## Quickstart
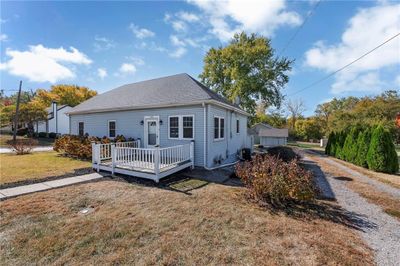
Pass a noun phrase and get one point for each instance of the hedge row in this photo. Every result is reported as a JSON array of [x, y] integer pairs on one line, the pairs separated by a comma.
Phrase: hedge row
[[81, 146], [371, 148]]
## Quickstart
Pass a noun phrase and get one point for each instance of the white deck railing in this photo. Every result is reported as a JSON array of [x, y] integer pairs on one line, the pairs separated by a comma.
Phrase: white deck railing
[[152, 160], [102, 151]]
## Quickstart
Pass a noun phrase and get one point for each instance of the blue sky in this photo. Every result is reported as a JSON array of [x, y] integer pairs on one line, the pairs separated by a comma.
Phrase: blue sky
[[106, 44]]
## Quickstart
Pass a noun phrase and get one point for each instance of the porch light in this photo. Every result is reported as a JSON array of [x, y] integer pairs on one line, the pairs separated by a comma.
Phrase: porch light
[[141, 123], [161, 122]]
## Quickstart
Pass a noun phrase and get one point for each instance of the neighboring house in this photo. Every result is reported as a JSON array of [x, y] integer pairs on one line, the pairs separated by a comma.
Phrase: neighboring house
[[166, 112], [268, 136], [57, 120]]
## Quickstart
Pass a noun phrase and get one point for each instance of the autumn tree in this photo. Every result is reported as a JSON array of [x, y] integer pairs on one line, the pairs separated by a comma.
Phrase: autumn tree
[[295, 108], [71, 95], [247, 68]]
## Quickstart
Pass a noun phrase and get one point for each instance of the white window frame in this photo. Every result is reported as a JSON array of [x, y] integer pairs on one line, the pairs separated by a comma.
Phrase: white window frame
[[237, 126], [180, 127], [83, 128], [108, 126], [219, 128]]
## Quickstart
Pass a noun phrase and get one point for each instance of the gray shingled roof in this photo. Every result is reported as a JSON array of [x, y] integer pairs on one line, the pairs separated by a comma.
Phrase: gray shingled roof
[[180, 89]]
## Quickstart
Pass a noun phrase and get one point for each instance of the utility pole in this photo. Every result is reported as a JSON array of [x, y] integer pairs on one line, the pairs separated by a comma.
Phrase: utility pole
[[17, 112]]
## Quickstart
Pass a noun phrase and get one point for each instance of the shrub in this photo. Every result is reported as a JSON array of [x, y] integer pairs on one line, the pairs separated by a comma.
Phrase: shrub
[[52, 135], [42, 134], [330, 144], [382, 156], [23, 146], [284, 153], [75, 146], [349, 151], [363, 141], [119, 138], [271, 180], [22, 131], [339, 143]]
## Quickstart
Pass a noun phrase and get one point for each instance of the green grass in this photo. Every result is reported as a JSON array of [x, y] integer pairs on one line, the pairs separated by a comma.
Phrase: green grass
[[305, 145], [37, 165], [5, 140]]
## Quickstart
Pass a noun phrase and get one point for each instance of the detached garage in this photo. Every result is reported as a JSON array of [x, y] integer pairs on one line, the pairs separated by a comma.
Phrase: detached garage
[[268, 136]]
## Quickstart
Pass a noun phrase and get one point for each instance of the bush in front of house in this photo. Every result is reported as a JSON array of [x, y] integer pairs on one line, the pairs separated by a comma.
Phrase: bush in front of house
[[286, 154], [42, 134], [382, 156], [23, 146], [271, 180], [52, 135], [75, 146]]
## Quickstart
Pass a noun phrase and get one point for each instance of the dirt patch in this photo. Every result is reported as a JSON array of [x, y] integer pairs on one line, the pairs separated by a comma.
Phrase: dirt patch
[[136, 224]]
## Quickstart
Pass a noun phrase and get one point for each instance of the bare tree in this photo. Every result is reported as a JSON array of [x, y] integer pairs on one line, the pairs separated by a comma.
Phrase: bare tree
[[295, 109]]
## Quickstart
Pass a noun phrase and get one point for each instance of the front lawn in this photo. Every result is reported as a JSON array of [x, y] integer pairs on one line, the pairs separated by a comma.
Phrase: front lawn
[[5, 140], [38, 165], [139, 225], [305, 145]]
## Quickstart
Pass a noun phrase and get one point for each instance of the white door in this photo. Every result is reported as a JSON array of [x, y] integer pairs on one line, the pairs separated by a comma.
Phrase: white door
[[151, 132]]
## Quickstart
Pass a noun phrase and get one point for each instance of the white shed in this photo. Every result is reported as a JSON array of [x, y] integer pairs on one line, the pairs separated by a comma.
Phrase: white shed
[[269, 136]]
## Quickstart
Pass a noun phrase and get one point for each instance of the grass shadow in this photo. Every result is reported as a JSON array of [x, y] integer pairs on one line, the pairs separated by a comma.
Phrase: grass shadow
[[325, 211]]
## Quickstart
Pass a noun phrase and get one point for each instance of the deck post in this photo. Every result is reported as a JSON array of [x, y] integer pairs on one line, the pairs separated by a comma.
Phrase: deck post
[[157, 163], [97, 155], [138, 140], [191, 153], [113, 158], [93, 153]]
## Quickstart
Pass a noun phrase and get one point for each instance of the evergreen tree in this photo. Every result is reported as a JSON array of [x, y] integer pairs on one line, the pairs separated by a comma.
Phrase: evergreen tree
[[329, 144], [382, 156], [350, 145], [363, 142]]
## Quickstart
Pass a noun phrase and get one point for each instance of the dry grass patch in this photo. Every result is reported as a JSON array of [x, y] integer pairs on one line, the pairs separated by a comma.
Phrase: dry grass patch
[[139, 225], [6, 140], [38, 165], [389, 204]]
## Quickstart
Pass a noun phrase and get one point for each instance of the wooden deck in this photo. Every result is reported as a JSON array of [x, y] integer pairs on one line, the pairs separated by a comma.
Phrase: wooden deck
[[150, 163]]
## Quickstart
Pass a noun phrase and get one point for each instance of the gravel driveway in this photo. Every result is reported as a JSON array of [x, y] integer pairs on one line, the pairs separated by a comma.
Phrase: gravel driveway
[[380, 231]]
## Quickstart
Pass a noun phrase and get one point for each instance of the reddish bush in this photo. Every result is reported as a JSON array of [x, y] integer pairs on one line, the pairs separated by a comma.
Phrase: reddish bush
[[23, 146], [75, 146], [271, 180]]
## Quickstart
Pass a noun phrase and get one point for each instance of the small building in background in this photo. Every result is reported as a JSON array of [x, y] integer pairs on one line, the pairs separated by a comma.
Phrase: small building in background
[[269, 136], [57, 120]]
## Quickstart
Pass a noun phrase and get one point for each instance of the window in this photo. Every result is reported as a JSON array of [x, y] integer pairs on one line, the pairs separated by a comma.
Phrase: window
[[111, 129], [187, 127], [219, 128], [81, 130], [174, 127], [237, 126], [181, 127]]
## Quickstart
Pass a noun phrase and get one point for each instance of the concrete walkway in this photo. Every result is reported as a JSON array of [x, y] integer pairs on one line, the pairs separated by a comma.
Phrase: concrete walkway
[[40, 148], [20, 190]]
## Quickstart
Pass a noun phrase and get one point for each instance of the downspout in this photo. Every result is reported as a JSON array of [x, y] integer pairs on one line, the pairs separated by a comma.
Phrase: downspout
[[205, 134]]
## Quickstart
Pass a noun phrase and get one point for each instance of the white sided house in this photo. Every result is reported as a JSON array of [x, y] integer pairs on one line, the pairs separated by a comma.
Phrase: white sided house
[[57, 120], [176, 121], [269, 136]]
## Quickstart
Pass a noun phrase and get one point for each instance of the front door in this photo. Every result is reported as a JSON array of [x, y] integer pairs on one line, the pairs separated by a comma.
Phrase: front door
[[151, 132]]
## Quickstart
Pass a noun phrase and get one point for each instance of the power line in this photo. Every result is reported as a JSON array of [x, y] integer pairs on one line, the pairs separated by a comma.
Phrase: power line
[[345, 66], [299, 28]]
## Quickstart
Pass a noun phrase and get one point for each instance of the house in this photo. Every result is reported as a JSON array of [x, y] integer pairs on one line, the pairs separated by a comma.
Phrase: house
[[57, 120], [164, 113], [269, 136]]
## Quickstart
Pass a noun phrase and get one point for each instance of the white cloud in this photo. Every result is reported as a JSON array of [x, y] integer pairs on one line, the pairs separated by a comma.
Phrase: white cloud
[[141, 33], [179, 25], [188, 17], [253, 15], [41, 64], [179, 52], [3, 37], [102, 73], [103, 44], [397, 81], [366, 29], [127, 68], [176, 41]]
